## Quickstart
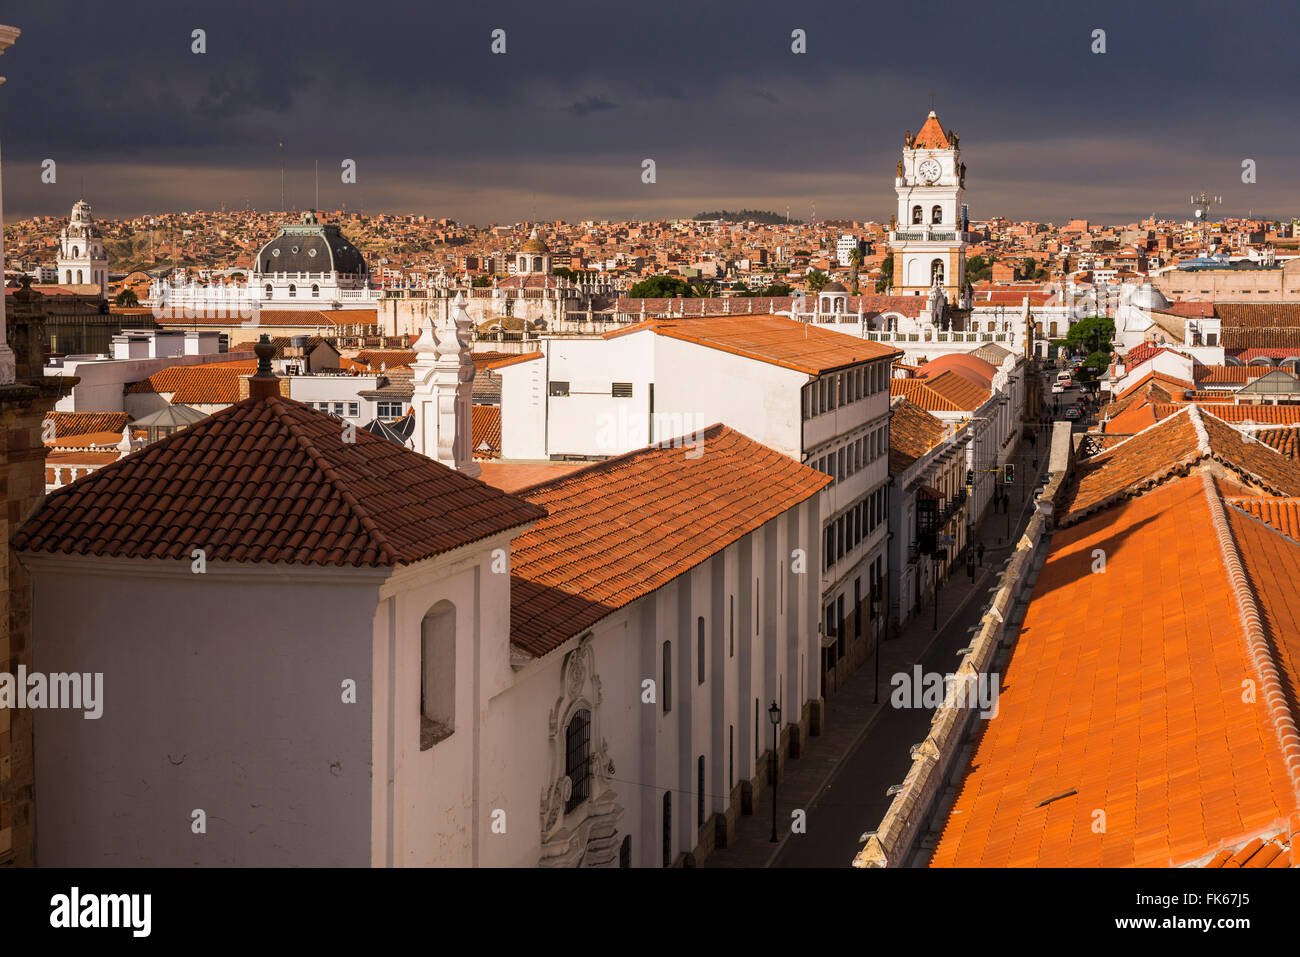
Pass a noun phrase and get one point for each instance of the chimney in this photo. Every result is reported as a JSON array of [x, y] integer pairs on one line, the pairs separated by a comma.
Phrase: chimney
[[265, 384]]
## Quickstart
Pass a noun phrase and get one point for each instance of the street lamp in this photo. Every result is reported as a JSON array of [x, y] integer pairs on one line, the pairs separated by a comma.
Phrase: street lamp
[[774, 713]]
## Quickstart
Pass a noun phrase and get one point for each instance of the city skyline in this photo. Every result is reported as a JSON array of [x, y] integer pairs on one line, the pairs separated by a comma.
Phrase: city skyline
[[441, 126]]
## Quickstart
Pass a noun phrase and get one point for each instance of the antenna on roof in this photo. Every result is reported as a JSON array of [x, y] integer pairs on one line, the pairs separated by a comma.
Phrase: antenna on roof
[[317, 206], [283, 208]]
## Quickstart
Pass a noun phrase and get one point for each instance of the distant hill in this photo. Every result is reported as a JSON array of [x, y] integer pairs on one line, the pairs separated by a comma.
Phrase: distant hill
[[764, 216]]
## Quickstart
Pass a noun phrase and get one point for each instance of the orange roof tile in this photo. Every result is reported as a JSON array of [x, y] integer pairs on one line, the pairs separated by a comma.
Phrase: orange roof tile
[[961, 392], [1259, 414], [1124, 696], [210, 383], [1170, 448], [270, 480], [511, 360], [912, 433], [617, 530], [485, 430], [513, 476], [778, 340], [919, 393], [931, 136], [81, 423]]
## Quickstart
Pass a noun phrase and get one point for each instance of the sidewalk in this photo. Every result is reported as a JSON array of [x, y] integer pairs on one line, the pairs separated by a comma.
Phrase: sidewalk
[[851, 710]]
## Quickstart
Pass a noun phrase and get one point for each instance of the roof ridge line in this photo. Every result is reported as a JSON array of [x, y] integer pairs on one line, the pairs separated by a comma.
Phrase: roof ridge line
[[1202, 436], [336, 482], [1257, 642], [665, 443]]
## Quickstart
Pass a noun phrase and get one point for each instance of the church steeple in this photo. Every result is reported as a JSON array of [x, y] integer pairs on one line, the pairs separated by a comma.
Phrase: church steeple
[[929, 241]]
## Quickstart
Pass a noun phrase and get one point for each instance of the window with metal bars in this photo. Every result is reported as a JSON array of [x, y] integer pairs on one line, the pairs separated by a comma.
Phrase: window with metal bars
[[577, 758]]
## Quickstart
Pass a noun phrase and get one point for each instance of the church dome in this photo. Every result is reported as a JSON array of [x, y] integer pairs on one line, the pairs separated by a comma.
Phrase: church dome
[[534, 245], [834, 287], [309, 246]]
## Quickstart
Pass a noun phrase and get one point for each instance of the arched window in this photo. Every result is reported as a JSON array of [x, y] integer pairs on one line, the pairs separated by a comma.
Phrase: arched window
[[577, 758], [75, 252], [916, 215], [537, 264], [699, 791], [936, 214], [268, 290], [936, 272], [78, 277], [668, 677], [293, 290], [315, 290], [437, 674]]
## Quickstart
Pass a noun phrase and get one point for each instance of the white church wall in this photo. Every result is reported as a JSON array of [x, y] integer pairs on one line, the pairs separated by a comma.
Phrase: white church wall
[[523, 409], [222, 692]]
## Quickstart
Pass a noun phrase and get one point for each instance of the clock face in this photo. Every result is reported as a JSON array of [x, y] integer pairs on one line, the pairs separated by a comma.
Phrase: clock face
[[929, 171]]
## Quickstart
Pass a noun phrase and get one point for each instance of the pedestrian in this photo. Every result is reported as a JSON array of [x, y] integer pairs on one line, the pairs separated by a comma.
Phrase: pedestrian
[[979, 554]]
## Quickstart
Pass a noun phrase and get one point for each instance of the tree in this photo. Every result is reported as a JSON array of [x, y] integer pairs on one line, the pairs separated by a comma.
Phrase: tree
[[886, 279], [661, 287], [480, 282], [978, 268], [1091, 335], [855, 263], [1029, 269], [126, 297], [817, 279]]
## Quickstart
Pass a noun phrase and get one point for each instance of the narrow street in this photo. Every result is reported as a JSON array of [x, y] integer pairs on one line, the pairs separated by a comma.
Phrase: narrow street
[[842, 779]]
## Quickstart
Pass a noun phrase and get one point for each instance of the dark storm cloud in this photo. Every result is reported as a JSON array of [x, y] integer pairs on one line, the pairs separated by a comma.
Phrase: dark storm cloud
[[592, 104], [559, 125]]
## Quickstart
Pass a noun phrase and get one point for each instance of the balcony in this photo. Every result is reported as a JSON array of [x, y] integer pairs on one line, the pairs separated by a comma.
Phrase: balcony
[[929, 234]]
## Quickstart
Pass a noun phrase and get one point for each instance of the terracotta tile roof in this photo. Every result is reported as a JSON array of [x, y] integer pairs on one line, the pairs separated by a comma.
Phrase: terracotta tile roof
[[1171, 384], [1188, 309], [1227, 396], [1131, 420], [513, 476], [1286, 441], [511, 360], [931, 135], [619, 529], [1238, 338], [1259, 414], [1246, 355], [1259, 315], [1280, 514], [961, 392], [912, 433], [388, 358], [1141, 353], [1169, 449], [967, 366], [1226, 375], [89, 440], [919, 393], [777, 340], [485, 428], [270, 480], [1123, 695], [81, 423], [1283, 850], [211, 383]]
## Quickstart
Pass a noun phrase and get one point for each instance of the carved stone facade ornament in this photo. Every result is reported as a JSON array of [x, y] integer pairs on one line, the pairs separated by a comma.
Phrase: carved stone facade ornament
[[586, 836]]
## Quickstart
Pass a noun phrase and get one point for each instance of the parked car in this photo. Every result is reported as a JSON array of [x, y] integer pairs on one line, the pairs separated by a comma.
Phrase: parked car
[[1072, 412]]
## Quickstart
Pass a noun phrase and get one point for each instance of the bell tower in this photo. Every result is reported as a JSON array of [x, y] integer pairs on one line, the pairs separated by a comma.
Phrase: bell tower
[[929, 243]]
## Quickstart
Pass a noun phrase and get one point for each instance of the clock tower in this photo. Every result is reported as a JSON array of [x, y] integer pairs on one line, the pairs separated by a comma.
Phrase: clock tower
[[929, 241]]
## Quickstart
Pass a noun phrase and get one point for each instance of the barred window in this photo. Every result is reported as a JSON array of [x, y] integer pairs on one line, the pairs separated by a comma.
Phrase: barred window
[[577, 758], [621, 390]]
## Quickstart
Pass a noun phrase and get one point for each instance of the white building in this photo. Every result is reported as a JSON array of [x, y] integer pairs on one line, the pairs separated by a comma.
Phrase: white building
[[389, 663], [929, 243], [814, 395], [307, 265], [82, 261]]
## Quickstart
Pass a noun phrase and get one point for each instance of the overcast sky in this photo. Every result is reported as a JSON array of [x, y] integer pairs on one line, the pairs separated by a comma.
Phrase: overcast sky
[[559, 125]]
